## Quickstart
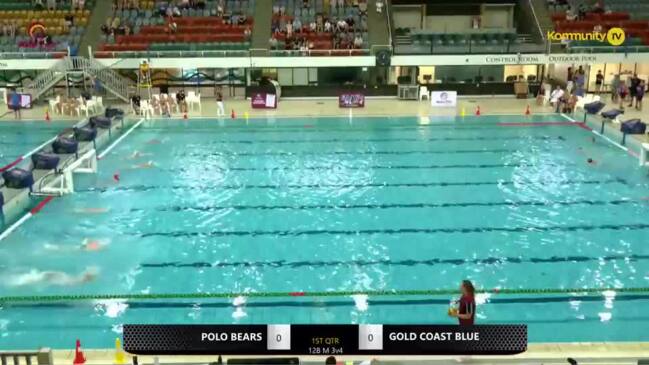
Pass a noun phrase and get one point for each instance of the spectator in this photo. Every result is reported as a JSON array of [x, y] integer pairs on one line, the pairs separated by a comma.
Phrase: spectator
[[14, 103], [114, 25], [327, 26], [362, 8], [623, 91], [289, 30], [180, 100], [633, 88], [297, 24], [639, 94], [598, 7], [247, 32], [570, 14], [358, 41], [599, 81], [330, 361], [172, 27], [581, 11], [615, 84], [379, 6], [556, 96]]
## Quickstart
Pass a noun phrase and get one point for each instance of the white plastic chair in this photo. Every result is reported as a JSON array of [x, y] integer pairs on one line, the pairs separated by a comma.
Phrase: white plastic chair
[[146, 109], [54, 103], [171, 102], [423, 92], [99, 103], [193, 99], [83, 107]]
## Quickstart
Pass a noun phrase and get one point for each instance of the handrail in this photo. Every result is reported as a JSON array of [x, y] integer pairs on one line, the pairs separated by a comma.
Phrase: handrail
[[536, 19], [388, 10]]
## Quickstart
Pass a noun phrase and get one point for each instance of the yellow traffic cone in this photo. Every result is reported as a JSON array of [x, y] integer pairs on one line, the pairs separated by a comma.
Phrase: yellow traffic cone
[[119, 354]]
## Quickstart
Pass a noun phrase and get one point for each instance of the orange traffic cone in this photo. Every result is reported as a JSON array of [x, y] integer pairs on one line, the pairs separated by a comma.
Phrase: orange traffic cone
[[477, 111], [79, 358], [527, 110], [232, 115], [47, 115]]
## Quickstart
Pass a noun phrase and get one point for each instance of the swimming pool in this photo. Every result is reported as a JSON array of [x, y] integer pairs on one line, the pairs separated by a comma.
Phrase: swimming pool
[[327, 204], [20, 137]]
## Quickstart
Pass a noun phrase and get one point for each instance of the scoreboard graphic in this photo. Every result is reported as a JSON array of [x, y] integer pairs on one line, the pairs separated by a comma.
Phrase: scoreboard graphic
[[302, 339]]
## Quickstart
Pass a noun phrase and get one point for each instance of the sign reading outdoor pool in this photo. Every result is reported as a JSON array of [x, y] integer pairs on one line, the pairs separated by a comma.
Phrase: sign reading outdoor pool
[[351, 100]]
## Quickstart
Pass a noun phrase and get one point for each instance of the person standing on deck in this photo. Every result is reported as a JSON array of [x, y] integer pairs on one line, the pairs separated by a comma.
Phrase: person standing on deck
[[465, 312], [220, 108]]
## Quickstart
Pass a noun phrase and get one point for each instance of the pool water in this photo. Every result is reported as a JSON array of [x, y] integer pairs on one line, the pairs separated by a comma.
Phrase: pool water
[[20, 137], [328, 204]]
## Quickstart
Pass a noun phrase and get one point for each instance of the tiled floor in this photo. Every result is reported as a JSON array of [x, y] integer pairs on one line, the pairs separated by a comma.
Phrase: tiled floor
[[549, 353]]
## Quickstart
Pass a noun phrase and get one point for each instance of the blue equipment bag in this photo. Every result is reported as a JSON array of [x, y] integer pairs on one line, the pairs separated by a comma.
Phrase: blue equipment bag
[[63, 145], [18, 178], [85, 134], [594, 107], [612, 114], [633, 126], [100, 122], [114, 112], [45, 161]]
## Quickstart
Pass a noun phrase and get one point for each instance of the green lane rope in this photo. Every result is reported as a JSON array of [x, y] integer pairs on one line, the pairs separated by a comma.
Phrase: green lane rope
[[432, 292]]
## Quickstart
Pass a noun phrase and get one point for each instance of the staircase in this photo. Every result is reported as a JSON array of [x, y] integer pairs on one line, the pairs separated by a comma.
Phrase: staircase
[[110, 79], [47, 79], [402, 40]]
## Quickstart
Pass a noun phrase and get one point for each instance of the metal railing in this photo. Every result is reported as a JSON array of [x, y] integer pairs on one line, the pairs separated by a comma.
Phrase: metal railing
[[31, 55], [320, 52], [606, 49], [46, 79], [167, 54], [110, 79], [536, 20], [40, 357]]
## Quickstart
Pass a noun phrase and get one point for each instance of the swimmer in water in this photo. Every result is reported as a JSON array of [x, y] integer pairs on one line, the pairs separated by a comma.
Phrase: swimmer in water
[[91, 210], [146, 165], [591, 161], [54, 278], [137, 154], [89, 245], [154, 141]]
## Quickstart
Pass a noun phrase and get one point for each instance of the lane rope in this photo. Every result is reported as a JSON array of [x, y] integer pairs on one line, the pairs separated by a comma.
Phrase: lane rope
[[343, 293]]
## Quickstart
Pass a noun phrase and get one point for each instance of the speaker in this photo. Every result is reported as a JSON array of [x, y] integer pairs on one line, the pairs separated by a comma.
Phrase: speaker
[[383, 58]]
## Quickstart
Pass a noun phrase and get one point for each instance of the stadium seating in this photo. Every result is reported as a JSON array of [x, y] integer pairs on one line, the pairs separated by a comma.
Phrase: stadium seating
[[313, 35], [17, 17], [630, 15], [195, 30]]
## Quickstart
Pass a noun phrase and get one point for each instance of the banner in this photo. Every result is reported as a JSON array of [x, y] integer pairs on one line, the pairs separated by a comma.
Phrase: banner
[[443, 98], [263, 101], [351, 100]]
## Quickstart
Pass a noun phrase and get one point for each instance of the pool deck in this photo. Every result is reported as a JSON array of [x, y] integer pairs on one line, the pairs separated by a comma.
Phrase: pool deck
[[586, 352], [373, 107]]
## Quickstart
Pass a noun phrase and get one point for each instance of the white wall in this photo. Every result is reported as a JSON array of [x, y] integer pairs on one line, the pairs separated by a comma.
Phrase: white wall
[[407, 17], [449, 24], [498, 16]]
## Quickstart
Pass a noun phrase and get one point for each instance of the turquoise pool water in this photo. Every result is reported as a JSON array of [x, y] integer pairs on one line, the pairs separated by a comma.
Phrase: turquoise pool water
[[20, 137], [337, 204]]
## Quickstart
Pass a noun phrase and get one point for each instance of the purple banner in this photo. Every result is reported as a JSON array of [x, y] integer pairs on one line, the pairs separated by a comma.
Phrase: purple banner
[[351, 100], [263, 101]]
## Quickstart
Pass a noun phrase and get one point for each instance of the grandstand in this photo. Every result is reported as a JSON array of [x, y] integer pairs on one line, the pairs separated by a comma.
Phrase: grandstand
[[311, 27], [34, 31], [161, 29]]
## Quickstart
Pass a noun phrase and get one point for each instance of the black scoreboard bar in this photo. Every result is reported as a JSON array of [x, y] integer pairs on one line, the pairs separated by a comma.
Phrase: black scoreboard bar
[[326, 340]]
